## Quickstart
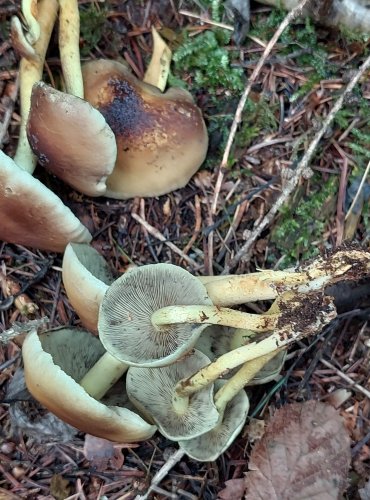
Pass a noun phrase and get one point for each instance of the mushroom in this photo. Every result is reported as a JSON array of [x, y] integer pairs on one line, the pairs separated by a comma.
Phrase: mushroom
[[71, 139], [125, 319], [151, 390], [31, 64], [32, 215], [86, 277], [232, 404], [210, 445], [54, 362], [161, 138]]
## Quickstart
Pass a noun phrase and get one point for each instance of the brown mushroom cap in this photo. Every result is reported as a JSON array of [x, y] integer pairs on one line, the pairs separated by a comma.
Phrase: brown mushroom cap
[[71, 139], [32, 215], [54, 362], [161, 138]]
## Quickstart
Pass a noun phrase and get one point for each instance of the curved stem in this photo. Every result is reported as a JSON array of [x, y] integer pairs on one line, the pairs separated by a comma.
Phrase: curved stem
[[29, 11], [289, 333], [159, 66], [213, 315], [30, 72], [236, 383], [69, 46], [103, 375]]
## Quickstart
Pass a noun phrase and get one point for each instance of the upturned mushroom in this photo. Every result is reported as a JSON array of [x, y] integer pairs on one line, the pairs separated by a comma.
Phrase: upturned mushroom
[[151, 390], [32, 215], [232, 404], [54, 363], [125, 319]]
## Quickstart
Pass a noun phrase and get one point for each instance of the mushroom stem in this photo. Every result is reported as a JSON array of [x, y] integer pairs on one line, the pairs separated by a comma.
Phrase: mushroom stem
[[69, 46], [213, 315], [266, 285], [103, 375], [302, 317], [236, 383], [29, 11], [30, 71], [159, 66]]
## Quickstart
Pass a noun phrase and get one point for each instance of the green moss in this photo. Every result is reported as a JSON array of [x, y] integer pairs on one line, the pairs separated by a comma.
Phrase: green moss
[[302, 224], [92, 22], [206, 59]]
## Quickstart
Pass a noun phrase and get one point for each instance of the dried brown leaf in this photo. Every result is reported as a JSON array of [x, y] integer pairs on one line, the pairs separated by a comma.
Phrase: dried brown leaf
[[304, 454], [103, 453], [234, 490]]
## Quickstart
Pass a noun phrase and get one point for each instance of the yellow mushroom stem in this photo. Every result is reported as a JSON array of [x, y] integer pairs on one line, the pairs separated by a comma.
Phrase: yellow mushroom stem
[[213, 315], [30, 72], [242, 377], [288, 332], [30, 14], [69, 46], [159, 66], [103, 375]]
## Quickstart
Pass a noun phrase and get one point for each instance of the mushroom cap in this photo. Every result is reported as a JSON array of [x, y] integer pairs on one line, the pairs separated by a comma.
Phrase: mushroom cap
[[71, 139], [31, 214], [211, 445], [151, 390], [161, 137], [86, 277], [125, 326], [54, 362]]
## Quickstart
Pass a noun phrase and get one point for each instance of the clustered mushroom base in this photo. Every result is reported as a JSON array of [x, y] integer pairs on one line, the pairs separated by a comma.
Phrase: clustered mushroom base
[[175, 363]]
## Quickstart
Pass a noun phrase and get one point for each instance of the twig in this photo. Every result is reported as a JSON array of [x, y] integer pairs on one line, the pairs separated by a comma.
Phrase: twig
[[21, 328], [162, 473], [302, 167], [157, 234], [366, 173], [346, 378], [9, 103], [205, 19], [296, 12]]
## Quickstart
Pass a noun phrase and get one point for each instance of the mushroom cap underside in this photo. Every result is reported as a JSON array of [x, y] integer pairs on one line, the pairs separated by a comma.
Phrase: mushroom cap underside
[[53, 362]]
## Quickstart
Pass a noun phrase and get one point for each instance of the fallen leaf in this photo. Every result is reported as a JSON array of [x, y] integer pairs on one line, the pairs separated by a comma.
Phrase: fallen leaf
[[304, 454], [234, 490], [103, 453]]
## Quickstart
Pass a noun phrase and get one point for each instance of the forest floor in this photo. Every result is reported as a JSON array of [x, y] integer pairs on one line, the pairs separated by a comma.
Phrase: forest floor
[[308, 69]]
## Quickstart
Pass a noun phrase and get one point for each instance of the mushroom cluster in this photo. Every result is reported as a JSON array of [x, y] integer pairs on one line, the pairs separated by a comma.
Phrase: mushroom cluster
[[182, 358], [107, 133]]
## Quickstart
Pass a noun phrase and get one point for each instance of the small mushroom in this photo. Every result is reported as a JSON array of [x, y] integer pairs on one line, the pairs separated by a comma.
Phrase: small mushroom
[[151, 390], [32, 215], [125, 319], [161, 138], [86, 277], [210, 445], [232, 404], [54, 363], [71, 139]]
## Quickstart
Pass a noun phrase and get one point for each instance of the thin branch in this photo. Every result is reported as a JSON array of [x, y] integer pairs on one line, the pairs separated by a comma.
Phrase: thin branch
[[296, 12], [302, 168]]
